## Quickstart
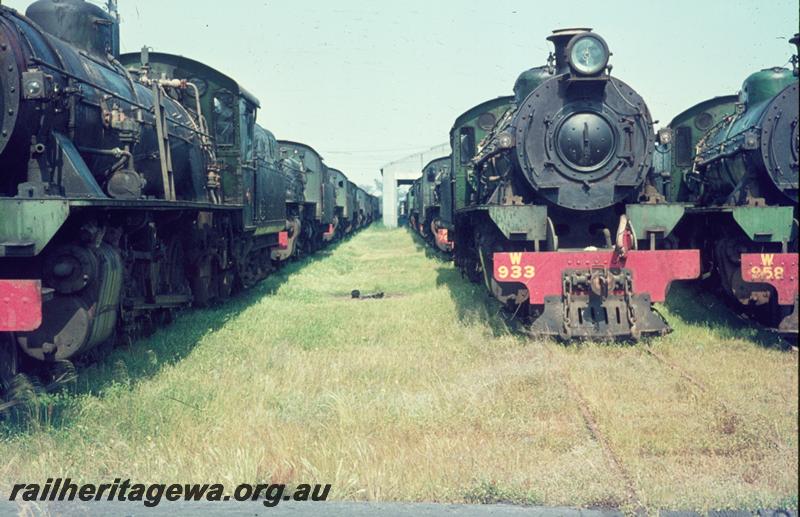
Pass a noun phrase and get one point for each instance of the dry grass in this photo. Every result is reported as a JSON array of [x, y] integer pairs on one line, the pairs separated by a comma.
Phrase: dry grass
[[422, 396]]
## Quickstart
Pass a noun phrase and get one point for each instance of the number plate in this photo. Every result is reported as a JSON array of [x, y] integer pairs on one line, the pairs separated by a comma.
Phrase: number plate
[[651, 271], [776, 269]]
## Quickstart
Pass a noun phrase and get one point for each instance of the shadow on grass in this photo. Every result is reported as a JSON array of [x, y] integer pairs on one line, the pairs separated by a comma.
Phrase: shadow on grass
[[698, 303], [473, 303], [431, 251], [144, 358]]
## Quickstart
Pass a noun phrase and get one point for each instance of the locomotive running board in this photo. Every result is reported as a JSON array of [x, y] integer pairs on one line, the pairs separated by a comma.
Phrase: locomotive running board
[[597, 293]]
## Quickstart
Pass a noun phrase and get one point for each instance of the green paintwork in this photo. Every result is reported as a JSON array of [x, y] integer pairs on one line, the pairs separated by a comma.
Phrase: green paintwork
[[269, 210], [765, 223], [351, 210], [654, 218], [432, 174], [411, 199], [266, 228], [520, 222], [528, 81], [31, 220], [362, 199], [339, 182], [234, 155], [318, 190], [459, 197], [765, 84], [673, 164], [724, 155]]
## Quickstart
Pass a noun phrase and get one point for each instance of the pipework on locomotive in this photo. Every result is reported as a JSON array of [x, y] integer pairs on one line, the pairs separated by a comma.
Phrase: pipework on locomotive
[[135, 185], [552, 203]]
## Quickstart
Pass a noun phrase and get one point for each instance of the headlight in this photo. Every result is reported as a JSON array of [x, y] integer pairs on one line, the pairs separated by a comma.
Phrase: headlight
[[587, 54], [35, 85], [664, 136], [505, 140], [33, 88]]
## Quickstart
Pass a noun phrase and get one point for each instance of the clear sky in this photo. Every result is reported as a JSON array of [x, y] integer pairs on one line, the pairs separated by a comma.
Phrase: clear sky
[[367, 82]]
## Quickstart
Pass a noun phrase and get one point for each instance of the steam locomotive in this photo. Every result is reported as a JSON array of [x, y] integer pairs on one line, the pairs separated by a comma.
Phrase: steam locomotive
[[426, 193], [552, 201], [134, 185], [735, 159]]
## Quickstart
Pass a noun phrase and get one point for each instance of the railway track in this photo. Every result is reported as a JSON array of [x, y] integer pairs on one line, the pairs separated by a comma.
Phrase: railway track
[[592, 421], [634, 500], [730, 413]]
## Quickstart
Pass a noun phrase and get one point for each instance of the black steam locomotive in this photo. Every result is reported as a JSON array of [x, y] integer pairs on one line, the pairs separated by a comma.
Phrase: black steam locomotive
[[552, 202], [134, 185], [734, 158]]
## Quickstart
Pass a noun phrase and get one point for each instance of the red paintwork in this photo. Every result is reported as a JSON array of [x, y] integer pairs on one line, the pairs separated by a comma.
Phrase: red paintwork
[[283, 240], [776, 269], [329, 232], [20, 305], [652, 271], [442, 239]]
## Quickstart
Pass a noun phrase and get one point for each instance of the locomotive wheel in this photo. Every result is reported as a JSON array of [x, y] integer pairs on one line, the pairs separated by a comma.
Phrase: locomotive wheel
[[202, 281], [250, 272], [488, 240], [173, 274], [17, 389], [466, 256], [225, 279], [433, 227], [309, 236]]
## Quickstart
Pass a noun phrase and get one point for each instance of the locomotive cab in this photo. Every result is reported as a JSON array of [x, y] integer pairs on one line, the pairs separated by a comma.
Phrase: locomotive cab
[[319, 195], [227, 118], [343, 201]]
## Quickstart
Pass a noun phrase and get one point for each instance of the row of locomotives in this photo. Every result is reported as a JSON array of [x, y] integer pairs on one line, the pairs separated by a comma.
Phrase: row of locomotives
[[358, 206], [344, 203], [735, 159], [368, 207], [411, 206], [376, 208], [322, 205], [402, 210], [428, 192], [554, 206], [415, 199], [317, 210], [325, 206], [131, 186]]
